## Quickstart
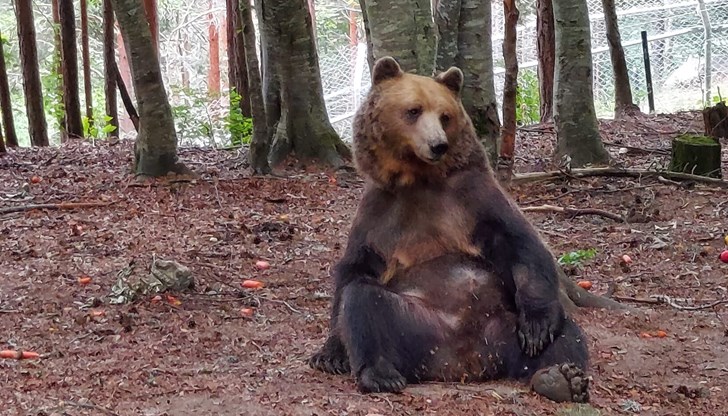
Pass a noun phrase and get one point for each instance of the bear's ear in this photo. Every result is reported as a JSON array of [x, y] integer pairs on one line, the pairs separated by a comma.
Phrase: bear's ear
[[385, 68], [452, 79]]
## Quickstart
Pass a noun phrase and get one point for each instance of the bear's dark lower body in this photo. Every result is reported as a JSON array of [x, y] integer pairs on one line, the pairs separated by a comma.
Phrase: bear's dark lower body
[[446, 320]]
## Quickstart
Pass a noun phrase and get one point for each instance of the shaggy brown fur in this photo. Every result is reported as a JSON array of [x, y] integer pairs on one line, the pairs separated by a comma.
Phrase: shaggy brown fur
[[443, 278]]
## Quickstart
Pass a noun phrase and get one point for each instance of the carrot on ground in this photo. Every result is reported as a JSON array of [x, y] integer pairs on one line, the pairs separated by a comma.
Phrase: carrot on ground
[[18, 355], [252, 284]]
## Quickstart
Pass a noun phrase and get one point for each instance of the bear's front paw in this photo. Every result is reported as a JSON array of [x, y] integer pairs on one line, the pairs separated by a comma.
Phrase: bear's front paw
[[381, 378], [536, 329], [332, 358]]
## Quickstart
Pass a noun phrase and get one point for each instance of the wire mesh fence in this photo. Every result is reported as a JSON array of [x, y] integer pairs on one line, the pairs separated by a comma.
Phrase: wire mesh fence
[[676, 42]]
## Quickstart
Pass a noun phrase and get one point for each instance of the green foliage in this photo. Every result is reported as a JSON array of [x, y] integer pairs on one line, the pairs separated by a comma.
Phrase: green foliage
[[528, 105], [92, 130], [240, 127], [577, 257]]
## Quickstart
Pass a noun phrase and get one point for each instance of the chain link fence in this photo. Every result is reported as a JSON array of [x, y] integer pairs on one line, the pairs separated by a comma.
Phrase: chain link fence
[[676, 42]]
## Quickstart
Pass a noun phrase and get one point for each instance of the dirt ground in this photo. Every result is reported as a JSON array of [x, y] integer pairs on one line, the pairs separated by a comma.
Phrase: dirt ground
[[201, 355]]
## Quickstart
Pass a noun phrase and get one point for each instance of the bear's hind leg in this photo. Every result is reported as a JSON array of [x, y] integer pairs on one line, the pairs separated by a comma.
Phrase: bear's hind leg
[[558, 372], [389, 337]]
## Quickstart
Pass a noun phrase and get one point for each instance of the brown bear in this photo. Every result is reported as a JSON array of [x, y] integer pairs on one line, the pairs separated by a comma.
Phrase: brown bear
[[443, 278]]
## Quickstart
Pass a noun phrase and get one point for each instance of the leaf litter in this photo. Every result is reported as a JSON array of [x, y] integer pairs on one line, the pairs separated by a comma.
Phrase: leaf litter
[[223, 348]]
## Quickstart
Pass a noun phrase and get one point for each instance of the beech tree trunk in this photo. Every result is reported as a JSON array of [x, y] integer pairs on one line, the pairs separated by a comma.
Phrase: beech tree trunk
[[510, 85], [150, 10], [155, 152], [623, 104], [6, 106], [213, 74], [259, 145], [303, 128], [37, 126], [269, 69], [88, 92], [237, 71], [465, 41], [69, 63], [110, 68], [58, 75], [575, 119], [402, 29], [546, 57]]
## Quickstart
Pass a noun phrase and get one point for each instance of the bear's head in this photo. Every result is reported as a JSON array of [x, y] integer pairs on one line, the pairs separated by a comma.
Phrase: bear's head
[[413, 128]]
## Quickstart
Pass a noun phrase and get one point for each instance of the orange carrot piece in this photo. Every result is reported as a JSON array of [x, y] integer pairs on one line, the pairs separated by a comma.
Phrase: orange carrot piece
[[18, 355], [252, 284]]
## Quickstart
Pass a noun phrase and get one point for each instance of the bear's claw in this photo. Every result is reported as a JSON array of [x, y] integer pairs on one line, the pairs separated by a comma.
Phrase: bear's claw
[[382, 378], [332, 358], [562, 383]]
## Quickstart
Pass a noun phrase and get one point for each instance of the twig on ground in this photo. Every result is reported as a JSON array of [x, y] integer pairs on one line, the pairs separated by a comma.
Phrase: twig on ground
[[91, 406], [61, 205], [616, 172], [574, 212], [667, 300], [9, 311], [639, 149]]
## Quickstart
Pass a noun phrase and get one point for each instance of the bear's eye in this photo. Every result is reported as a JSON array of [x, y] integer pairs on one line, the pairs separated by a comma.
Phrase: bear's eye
[[414, 112], [444, 120]]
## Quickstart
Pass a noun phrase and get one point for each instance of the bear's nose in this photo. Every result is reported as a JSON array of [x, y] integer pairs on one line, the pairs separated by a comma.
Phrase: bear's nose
[[439, 149]]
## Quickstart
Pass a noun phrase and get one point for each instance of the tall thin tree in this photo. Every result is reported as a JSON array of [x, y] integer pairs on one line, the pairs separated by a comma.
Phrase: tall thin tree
[[259, 145], [110, 70], [545, 44], [6, 106], [57, 72], [237, 72], [88, 92], [37, 126], [213, 73], [510, 86], [577, 130], [69, 63], [2, 141], [623, 104], [155, 150]]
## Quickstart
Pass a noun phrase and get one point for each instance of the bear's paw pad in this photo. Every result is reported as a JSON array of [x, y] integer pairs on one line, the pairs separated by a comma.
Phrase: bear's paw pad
[[562, 383]]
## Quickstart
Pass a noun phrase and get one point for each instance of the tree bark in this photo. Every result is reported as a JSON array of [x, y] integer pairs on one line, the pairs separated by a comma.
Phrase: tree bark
[[546, 57], [303, 129], [259, 145], [6, 106], [37, 126], [269, 69], [213, 73], [57, 73], [156, 144], [715, 120], [2, 141], [237, 71], [110, 68], [88, 92], [577, 131], [152, 16], [510, 85], [69, 59], [465, 26], [402, 29], [623, 104]]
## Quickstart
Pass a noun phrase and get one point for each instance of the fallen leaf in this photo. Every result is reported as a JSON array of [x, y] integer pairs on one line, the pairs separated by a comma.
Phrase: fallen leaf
[[173, 300]]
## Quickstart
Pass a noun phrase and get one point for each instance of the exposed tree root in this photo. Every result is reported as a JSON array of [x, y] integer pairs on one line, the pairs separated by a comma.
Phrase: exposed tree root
[[61, 205], [616, 172], [574, 212]]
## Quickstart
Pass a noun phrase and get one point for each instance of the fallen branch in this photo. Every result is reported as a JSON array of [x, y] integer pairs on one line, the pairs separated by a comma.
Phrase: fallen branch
[[616, 172], [61, 205], [574, 212], [667, 300]]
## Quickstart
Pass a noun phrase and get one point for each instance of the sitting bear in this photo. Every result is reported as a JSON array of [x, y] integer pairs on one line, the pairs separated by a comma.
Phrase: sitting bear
[[443, 278]]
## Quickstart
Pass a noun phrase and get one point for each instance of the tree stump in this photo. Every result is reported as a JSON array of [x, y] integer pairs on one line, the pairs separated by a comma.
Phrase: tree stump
[[716, 120], [698, 155]]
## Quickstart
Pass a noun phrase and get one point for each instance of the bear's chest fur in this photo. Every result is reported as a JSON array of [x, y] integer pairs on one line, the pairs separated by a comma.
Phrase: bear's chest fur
[[420, 225]]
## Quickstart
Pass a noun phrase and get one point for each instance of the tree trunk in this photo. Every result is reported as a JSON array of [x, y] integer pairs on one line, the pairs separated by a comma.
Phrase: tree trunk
[[31, 77], [213, 74], [623, 104], [6, 106], [156, 144], [546, 57], [577, 131], [88, 92], [715, 120], [259, 145], [110, 68], [304, 128], [152, 16], [69, 59], [402, 29], [237, 71], [2, 141], [465, 26], [269, 70], [510, 85], [57, 73]]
